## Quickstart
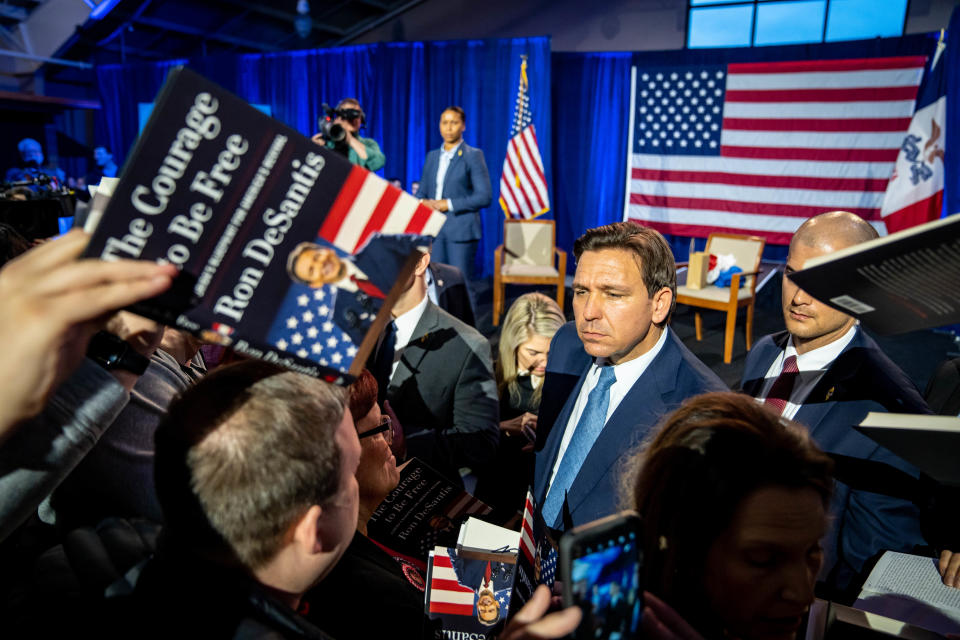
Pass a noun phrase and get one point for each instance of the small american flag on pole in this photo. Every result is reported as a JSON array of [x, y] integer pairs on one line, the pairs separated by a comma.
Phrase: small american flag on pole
[[523, 184]]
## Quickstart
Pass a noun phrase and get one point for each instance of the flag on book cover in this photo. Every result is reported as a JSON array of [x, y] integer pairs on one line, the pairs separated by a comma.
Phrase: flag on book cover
[[368, 203], [528, 545], [915, 192], [760, 147], [523, 184], [460, 508], [447, 595]]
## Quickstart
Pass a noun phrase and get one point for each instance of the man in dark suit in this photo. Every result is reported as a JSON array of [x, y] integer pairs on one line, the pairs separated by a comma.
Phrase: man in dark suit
[[448, 290], [456, 181], [438, 376], [615, 373], [826, 373]]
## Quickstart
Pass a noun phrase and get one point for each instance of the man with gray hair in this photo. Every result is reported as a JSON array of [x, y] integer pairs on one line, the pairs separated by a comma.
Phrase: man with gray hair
[[255, 472], [826, 373]]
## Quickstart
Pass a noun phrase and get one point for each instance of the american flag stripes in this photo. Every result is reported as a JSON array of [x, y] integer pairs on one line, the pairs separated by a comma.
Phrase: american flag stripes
[[528, 545], [759, 147], [447, 595], [368, 203], [523, 184]]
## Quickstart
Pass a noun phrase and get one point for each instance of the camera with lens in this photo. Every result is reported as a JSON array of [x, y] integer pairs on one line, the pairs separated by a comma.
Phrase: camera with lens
[[330, 130]]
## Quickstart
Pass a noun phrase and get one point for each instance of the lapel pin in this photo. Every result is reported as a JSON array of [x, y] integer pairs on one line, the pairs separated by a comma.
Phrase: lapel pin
[[829, 393], [459, 153], [439, 283]]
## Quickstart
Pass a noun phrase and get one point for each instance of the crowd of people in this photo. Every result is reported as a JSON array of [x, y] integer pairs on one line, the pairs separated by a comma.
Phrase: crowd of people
[[251, 487]]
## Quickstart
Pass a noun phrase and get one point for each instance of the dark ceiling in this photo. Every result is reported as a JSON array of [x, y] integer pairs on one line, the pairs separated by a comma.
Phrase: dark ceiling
[[150, 30]]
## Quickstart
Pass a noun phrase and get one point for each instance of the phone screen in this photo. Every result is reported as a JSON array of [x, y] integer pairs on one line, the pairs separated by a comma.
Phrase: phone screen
[[605, 584]]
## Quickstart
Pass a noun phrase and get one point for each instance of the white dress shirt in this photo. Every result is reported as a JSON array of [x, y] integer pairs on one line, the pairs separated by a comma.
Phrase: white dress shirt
[[445, 158], [627, 374], [811, 365], [406, 323]]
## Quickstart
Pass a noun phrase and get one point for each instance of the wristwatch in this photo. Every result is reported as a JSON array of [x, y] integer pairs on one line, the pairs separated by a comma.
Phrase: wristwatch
[[112, 352]]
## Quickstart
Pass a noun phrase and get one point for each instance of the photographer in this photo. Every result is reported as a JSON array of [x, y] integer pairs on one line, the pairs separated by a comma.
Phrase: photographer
[[359, 150]]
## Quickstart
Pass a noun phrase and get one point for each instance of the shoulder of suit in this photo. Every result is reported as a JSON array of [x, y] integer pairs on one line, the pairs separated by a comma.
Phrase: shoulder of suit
[[469, 335], [691, 369]]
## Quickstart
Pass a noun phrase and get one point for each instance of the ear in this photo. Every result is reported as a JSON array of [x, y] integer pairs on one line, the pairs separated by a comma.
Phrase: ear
[[306, 531], [422, 264], [662, 301]]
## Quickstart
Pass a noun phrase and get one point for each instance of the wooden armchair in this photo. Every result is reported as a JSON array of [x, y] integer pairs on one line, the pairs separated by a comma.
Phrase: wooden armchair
[[740, 293], [527, 257]]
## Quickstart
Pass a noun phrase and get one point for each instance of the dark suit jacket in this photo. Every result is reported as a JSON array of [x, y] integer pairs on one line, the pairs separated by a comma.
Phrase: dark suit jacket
[[466, 184], [380, 258], [673, 376], [943, 390], [452, 294], [860, 380], [368, 594], [445, 396]]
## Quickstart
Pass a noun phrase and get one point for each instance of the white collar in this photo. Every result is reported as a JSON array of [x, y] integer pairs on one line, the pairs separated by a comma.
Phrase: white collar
[[407, 322], [452, 151], [819, 359], [631, 370]]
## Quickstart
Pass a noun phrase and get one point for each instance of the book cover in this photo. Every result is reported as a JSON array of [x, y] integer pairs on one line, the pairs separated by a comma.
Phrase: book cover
[[468, 595], [424, 510], [899, 283], [287, 252], [930, 443]]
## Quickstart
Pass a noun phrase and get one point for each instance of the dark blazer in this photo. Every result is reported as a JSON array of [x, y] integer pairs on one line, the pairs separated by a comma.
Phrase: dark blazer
[[368, 594], [445, 396], [380, 258], [466, 184], [861, 379], [943, 389], [452, 294], [673, 376]]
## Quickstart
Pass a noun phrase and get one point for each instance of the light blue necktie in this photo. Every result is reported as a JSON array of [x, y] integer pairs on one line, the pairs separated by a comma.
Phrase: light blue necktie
[[584, 435]]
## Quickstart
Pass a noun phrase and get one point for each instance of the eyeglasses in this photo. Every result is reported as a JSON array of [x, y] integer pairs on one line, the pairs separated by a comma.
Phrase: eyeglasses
[[385, 427]]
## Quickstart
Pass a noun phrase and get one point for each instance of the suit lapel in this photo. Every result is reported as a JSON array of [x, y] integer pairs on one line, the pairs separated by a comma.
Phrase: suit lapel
[[412, 355], [636, 414], [552, 446], [832, 386]]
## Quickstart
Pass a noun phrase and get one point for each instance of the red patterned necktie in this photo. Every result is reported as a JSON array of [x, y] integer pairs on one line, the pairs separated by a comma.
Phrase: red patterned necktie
[[783, 386]]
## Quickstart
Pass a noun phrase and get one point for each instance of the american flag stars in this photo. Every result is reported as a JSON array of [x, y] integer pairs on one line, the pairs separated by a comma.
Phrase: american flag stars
[[305, 327], [679, 113]]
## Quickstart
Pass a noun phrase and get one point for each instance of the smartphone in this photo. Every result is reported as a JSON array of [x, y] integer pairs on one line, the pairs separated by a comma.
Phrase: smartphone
[[600, 566]]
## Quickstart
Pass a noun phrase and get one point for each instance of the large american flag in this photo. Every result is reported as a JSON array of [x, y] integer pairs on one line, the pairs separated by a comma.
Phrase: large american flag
[[523, 184], [759, 147]]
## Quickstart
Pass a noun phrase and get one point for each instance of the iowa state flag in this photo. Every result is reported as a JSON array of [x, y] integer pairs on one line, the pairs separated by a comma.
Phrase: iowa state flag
[[915, 191]]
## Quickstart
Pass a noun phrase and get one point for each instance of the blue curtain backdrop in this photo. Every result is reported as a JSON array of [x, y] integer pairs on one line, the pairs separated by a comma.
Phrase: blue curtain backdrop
[[403, 88]]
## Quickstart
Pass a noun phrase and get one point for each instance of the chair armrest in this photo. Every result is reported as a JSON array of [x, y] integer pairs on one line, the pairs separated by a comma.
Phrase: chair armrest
[[561, 262], [497, 260], [685, 263]]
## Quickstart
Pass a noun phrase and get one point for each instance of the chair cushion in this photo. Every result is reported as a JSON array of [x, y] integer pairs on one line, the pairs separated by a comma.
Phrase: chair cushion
[[535, 270], [528, 243], [717, 294]]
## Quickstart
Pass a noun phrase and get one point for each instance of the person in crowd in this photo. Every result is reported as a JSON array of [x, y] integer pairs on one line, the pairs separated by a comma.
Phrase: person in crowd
[[12, 244], [439, 381], [104, 167], [447, 289], [116, 477], [614, 372], [826, 373], [52, 305], [367, 572], [361, 151], [33, 166], [528, 327], [734, 503], [456, 181], [257, 475]]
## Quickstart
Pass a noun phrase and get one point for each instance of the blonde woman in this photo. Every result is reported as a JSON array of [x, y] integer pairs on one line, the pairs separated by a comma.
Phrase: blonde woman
[[521, 364]]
